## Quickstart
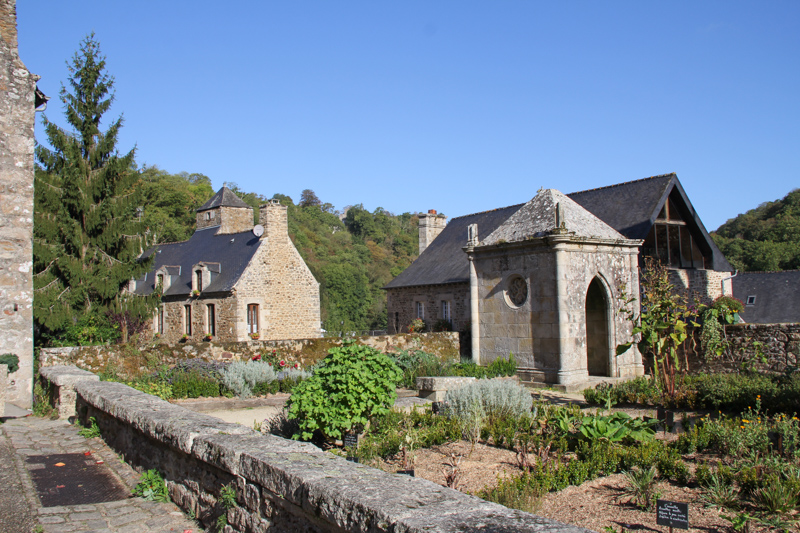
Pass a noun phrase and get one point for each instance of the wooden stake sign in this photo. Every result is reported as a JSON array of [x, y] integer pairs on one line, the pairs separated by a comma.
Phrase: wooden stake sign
[[672, 514]]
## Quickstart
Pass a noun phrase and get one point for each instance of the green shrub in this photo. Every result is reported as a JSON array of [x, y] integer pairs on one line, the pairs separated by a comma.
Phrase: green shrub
[[417, 364], [349, 386], [241, 378], [502, 367], [468, 369], [194, 385], [11, 360]]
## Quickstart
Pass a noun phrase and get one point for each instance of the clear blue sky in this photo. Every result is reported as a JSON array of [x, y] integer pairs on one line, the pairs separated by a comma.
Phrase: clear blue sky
[[459, 106]]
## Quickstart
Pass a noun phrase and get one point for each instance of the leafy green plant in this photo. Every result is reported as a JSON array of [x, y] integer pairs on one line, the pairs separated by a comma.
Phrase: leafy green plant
[[192, 384], [663, 325], [159, 388], [642, 487], [10, 360], [349, 386], [777, 496], [502, 366], [41, 403], [152, 487], [227, 500], [90, 432], [720, 493], [616, 427]]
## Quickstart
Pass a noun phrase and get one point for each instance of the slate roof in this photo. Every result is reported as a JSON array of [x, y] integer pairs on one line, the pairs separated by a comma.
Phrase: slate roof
[[228, 255], [777, 296], [538, 217], [630, 208], [224, 198], [444, 261]]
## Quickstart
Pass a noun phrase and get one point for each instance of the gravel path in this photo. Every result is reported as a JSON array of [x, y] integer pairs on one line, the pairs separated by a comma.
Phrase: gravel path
[[21, 510]]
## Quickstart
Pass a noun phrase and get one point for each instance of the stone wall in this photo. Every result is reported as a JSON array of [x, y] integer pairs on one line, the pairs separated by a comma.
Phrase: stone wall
[[706, 285], [780, 343], [235, 219], [402, 310], [133, 360], [281, 485], [279, 281], [17, 87]]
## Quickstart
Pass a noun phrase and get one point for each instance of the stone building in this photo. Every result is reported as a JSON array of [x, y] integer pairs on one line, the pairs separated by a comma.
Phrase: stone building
[[233, 281], [19, 99], [474, 273]]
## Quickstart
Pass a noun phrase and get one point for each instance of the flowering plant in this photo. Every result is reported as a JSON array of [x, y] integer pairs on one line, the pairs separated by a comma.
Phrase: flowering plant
[[257, 357], [185, 337], [417, 326], [195, 292], [254, 336], [282, 363], [208, 337]]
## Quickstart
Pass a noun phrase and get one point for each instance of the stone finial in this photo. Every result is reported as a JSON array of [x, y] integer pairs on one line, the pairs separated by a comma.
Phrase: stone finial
[[472, 235]]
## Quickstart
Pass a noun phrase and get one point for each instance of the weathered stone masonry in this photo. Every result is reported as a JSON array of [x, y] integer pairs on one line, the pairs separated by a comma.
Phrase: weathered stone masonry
[[280, 485], [17, 108]]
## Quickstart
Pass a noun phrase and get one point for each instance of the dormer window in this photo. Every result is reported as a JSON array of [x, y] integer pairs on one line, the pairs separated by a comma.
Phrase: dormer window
[[198, 280], [209, 215]]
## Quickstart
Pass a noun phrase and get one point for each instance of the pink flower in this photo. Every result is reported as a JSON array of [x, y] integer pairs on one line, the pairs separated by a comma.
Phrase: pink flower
[[257, 357], [283, 363], [297, 366]]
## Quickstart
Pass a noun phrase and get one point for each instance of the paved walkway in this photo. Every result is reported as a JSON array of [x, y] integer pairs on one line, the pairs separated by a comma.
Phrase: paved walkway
[[21, 511]]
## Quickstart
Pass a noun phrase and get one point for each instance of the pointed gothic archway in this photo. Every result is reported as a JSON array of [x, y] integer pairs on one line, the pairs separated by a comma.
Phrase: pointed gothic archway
[[597, 341]]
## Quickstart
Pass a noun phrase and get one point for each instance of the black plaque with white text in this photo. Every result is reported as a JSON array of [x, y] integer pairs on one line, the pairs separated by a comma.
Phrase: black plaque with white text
[[672, 514]]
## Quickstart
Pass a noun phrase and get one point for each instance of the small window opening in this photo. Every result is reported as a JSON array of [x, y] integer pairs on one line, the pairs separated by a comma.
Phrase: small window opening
[[187, 319], [252, 318], [199, 277], [751, 300], [421, 310], [210, 320], [446, 310]]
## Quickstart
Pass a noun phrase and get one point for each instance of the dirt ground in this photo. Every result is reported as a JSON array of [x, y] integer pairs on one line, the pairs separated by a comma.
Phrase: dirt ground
[[594, 505]]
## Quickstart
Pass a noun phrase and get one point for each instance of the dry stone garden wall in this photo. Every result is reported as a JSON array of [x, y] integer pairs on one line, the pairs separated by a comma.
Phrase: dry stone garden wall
[[280, 485], [134, 359]]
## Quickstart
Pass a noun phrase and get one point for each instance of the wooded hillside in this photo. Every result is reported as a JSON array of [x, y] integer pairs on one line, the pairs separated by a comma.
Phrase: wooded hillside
[[766, 238]]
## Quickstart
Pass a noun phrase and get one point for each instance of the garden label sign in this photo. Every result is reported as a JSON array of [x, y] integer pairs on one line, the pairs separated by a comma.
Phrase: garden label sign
[[672, 514]]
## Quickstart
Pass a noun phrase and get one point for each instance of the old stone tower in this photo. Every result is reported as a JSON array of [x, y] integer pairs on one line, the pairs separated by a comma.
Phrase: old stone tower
[[18, 101]]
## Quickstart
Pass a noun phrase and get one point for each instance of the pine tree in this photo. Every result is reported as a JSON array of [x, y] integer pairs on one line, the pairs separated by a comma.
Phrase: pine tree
[[87, 238]]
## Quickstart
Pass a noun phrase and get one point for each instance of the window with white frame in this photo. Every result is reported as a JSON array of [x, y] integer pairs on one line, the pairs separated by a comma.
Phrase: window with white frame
[[252, 318], [420, 310], [446, 310], [211, 322]]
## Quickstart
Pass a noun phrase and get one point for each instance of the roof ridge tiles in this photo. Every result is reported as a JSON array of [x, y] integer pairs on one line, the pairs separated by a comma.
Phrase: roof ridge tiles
[[488, 211], [668, 174]]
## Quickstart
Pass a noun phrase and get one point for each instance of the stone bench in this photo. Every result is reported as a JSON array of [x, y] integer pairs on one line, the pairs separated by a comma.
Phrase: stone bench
[[61, 381], [435, 388]]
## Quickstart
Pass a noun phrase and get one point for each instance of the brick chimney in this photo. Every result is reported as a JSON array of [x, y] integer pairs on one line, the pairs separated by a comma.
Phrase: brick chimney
[[430, 226]]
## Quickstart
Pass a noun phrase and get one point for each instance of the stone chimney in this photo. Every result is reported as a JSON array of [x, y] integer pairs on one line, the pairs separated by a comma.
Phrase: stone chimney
[[273, 216], [430, 225], [8, 23]]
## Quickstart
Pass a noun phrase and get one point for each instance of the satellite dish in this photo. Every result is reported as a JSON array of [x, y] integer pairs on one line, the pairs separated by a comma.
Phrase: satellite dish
[[258, 230]]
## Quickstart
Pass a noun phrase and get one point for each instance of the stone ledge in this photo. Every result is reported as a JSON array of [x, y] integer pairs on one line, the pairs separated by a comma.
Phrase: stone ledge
[[61, 381], [435, 388], [303, 488], [3, 380]]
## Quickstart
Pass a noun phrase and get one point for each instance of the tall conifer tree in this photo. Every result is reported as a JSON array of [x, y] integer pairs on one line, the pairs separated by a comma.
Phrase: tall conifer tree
[[87, 237]]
